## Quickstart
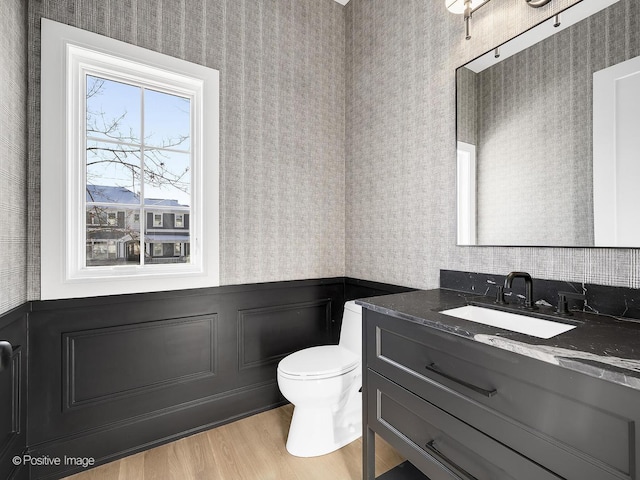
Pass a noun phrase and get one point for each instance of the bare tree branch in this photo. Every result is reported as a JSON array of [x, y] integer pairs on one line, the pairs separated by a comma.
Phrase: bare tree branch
[[155, 170]]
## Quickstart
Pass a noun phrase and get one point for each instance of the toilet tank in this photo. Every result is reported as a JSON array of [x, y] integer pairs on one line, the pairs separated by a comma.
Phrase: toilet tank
[[351, 330]]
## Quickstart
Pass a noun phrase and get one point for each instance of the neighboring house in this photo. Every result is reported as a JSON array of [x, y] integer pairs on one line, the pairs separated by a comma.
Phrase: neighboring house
[[114, 227]]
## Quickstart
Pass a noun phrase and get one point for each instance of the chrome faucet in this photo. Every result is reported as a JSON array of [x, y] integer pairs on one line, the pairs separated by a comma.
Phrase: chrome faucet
[[528, 287]]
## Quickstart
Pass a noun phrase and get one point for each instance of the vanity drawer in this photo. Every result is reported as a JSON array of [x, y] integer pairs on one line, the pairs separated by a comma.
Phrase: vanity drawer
[[560, 419], [441, 446]]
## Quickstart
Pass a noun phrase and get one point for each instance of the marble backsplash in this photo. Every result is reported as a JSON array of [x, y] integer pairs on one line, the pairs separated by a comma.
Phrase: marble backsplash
[[606, 300]]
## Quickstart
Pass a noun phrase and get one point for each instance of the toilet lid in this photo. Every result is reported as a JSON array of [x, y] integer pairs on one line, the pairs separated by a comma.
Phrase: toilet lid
[[319, 362]]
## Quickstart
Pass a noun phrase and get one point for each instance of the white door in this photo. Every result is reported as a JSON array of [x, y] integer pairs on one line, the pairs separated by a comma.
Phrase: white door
[[616, 155], [466, 194]]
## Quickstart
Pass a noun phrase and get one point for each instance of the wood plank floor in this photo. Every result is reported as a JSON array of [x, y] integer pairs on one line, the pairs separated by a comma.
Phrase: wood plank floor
[[249, 449]]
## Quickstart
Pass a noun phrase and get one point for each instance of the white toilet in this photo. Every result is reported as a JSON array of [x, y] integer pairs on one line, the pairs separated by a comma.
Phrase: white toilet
[[324, 383]]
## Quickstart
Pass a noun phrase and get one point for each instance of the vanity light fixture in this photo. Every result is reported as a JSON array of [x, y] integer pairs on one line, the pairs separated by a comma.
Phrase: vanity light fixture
[[556, 21], [468, 7], [537, 3]]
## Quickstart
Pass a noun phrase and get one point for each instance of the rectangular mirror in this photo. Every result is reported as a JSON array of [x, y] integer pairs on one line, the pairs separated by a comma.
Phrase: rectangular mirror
[[547, 130]]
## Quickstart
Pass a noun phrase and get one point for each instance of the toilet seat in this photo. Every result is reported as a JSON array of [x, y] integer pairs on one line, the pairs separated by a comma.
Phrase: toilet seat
[[316, 363]]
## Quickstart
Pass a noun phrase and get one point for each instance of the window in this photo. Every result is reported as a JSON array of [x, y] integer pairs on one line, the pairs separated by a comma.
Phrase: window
[[133, 149], [157, 219], [112, 219]]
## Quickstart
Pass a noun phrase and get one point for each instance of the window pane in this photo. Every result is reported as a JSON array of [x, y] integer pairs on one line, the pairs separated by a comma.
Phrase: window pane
[[113, 236], [113, 110], [167, 178], [167, 245], [113, 173], [167, 120]]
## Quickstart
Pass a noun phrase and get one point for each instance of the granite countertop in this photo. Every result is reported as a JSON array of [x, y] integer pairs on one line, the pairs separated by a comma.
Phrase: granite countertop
[[601, 346]]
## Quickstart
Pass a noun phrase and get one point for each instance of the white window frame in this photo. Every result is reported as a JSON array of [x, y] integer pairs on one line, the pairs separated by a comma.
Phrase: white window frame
[[68, 55], [175, 220]]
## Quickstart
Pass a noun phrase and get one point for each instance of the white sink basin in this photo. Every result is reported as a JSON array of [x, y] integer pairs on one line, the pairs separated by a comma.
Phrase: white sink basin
[[515, 322]]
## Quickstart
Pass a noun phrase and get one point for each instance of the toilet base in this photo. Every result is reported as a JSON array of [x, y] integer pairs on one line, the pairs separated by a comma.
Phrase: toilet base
[[318, 431]]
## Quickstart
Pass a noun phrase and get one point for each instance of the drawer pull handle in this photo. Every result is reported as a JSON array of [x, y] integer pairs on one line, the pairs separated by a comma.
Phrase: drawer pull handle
[[487, 393], [459, 472]]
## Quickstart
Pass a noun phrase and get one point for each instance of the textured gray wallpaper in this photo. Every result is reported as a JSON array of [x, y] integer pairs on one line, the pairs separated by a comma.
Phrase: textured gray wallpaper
[[281, 66], [292, 111], [400, 164], [466, 106], [13, 154]]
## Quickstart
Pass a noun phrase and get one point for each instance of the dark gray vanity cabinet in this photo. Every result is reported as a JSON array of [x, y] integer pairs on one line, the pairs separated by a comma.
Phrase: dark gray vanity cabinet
[[459, 409]]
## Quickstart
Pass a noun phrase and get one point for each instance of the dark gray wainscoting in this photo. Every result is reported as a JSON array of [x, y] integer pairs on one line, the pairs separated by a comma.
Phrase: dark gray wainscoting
[[354, 288], [13, 394], [111, 376]]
